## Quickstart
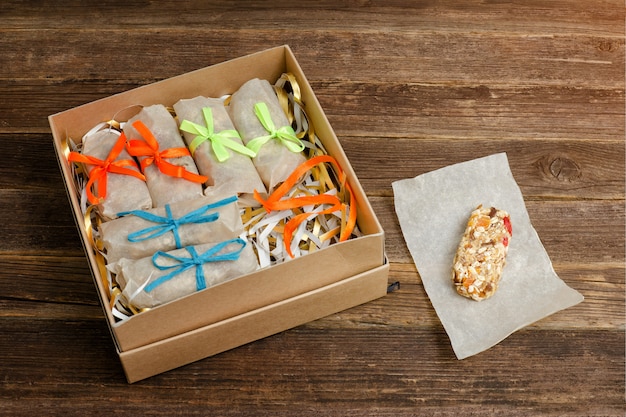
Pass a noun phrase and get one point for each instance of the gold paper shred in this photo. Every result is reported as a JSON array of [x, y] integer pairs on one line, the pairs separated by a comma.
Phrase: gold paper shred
[[250, 217], [246, 216], [341, 194], [344, 218], [256, 211], [326, 179], [79, 169], [316, 227], [101, 263], [330, 234], [288, 77], [66, 148], [114, 124], [135, 310], [283, 100], [316, 172], [88, 223], [116, 293]]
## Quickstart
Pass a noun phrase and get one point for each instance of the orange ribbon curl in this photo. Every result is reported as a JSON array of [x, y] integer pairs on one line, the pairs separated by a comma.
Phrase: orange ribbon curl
[[149, 147], [98, 175], [275, 201]]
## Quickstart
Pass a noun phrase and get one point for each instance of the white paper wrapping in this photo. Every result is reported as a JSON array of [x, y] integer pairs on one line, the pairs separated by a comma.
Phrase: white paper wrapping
[[433, 209], [237, 174], [115, 233], [124, 192], [163, 188], [274, 162], [134, 276]]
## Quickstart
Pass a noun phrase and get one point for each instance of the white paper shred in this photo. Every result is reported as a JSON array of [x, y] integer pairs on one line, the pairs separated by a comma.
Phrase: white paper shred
[[433, 209]]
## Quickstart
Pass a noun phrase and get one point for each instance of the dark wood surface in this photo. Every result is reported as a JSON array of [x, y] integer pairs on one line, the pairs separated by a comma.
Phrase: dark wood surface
[[408, 89]]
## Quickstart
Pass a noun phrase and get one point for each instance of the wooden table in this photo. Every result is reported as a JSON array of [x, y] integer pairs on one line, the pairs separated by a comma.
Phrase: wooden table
[[407, 90]]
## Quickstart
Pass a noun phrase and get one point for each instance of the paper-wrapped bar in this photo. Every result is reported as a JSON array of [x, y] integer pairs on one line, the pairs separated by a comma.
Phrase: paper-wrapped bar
[[259, 118], [216, 146], [141, 233], [166, 276], [124, 189], [171, 173]]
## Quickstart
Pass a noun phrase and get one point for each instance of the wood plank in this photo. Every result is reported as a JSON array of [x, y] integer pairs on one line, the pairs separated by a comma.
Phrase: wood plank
[[40, 281], [37, 222], [58, 288], [28, 103], [18, 309], [569, 230], [580, 60], [564, 17], [543, 168], [306, 369], [30, 163], [547, 169], [401, 109], [466, 111]]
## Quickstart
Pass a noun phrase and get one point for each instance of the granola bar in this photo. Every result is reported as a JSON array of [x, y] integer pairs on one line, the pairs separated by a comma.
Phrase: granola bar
[[481, 254]]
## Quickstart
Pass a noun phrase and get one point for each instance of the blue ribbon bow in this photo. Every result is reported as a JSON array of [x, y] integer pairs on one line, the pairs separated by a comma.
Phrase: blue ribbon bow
[[169, 223], [194, 261]]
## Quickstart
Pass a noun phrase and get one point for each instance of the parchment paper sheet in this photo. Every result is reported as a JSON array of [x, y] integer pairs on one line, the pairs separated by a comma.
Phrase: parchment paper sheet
[[433, 209]]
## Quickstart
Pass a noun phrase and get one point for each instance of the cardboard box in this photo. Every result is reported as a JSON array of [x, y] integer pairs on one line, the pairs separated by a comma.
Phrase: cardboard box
[[252, 306]]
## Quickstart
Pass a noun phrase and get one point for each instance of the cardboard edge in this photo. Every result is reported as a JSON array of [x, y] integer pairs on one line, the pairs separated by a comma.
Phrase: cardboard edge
[[164, 355], [247, 288]]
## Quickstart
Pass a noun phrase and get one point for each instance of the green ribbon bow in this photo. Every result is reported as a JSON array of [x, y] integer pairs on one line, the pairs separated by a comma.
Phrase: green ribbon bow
[[219, 141], [285, 134]]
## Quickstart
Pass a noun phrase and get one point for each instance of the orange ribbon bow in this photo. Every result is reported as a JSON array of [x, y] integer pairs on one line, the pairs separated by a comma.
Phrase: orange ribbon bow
[[149, 147], [98, 175], [275, 201]]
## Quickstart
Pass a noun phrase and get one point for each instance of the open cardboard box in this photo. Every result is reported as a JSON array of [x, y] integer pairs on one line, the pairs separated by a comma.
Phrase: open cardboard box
[[253, 306]]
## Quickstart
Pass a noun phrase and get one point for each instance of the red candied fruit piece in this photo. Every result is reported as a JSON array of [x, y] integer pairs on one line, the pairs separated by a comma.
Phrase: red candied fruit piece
[[507, 225]]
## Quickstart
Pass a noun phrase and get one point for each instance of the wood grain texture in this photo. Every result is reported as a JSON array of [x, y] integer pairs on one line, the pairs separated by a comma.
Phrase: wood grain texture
[[381, 55], [560, 16], [408, 89], [364, 371]]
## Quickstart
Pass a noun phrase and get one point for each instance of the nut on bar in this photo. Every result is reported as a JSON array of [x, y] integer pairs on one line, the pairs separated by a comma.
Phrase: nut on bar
[[481, 254]]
